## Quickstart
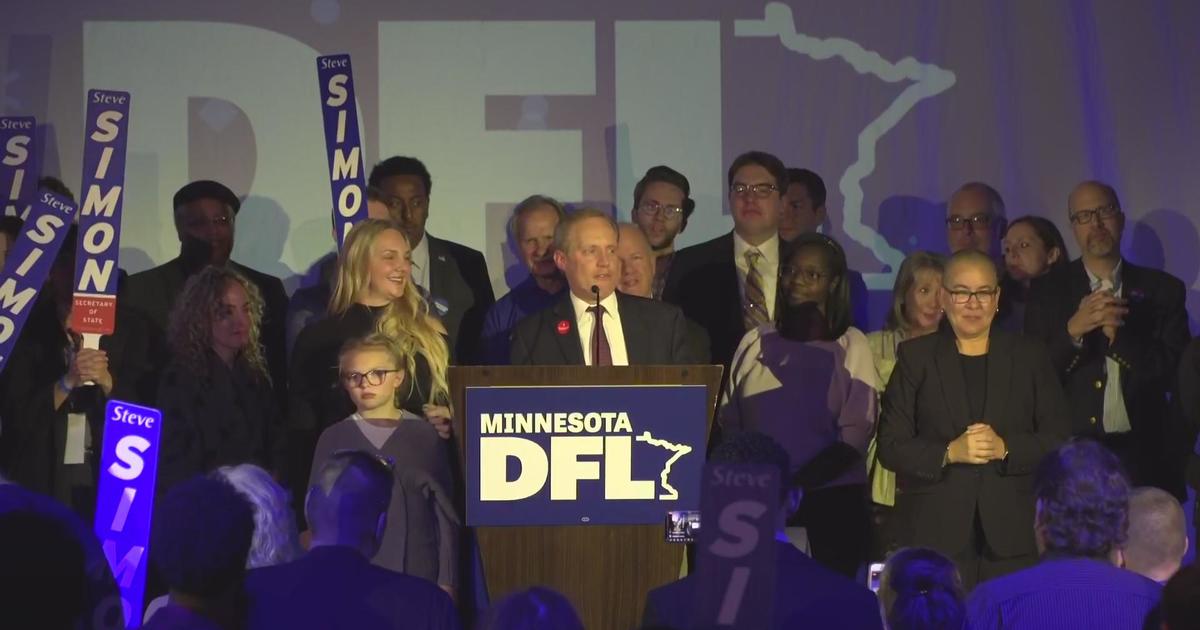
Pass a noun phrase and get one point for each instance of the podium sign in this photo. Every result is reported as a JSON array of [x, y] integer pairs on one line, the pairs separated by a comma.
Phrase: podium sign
[[590, 455]]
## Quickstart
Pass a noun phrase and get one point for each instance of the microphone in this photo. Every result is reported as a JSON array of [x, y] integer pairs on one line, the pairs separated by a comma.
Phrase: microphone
[[599, 322]]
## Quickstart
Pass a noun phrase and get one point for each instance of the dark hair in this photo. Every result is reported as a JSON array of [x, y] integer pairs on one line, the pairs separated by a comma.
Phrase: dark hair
[[351, 489], [400, 165], [921, 590], [896, 318], [43, 561], [837, 306], [666, 175], [773, 165], [811, 182], [202, 533], [1181, 600], [1046, 232], [538, 608], [1083, 498], [56, 186], [753, 447]]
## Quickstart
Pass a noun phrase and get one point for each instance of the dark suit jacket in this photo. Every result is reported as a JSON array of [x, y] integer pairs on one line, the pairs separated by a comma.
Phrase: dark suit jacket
[[655, 334], [461, 295], [807, 595], [925, 407], [1148, 348], [335, 588], [703, 281], [152, 293]]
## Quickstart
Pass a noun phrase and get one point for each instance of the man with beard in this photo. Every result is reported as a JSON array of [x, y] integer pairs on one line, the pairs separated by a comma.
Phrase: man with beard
[[532, 231], [661, 208], [1115, 333], [205, 214]]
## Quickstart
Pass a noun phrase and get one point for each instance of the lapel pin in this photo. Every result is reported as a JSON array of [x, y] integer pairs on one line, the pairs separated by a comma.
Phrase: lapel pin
[[563, 327]]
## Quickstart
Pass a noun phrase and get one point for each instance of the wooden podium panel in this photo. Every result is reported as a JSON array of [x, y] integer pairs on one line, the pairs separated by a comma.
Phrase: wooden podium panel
[[605, 570]]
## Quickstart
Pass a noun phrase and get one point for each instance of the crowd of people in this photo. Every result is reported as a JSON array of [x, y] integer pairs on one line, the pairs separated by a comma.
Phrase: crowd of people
[[1016, 440]]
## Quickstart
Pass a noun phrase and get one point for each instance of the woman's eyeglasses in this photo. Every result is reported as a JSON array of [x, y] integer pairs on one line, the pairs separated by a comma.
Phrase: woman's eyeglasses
[[962, 296]]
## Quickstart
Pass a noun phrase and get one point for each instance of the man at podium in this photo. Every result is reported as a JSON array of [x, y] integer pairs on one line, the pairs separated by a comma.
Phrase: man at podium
[[631, 330]]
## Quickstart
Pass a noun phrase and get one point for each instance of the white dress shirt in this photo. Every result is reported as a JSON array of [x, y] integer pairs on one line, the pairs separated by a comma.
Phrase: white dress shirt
[[420, 263], [1116, 416], [585, 320], [768, 268]]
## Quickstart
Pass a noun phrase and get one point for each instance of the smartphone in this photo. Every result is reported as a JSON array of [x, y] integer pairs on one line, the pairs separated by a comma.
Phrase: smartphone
[[681, 526], [874, 573]]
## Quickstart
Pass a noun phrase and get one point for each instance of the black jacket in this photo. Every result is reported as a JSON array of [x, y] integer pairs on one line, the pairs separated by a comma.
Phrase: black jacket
[[925, 407], [655, 334], [460, 293], [1147, 348]]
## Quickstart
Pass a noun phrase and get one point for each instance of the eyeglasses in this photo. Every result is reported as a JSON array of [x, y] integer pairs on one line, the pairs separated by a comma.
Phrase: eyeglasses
[[810, 275], [962, 296], [762, 191], [370, 377], [977, 222], [1084, 217], [656, 209]]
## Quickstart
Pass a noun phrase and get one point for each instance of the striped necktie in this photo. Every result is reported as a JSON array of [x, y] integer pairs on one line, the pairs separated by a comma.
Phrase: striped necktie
[[754, 307]]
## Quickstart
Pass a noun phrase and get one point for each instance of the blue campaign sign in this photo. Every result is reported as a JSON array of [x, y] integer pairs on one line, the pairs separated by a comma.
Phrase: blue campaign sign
[[29, 263], [17, 162], [125, 497], [95, 301], [736, 549], [576, 455], [343, 146]]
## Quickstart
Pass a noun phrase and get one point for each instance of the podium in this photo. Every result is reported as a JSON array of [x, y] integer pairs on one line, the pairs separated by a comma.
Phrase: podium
[[605, 569]]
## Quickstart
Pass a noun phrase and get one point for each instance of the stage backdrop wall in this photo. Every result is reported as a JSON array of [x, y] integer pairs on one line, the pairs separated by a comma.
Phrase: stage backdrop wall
[[894, 103]]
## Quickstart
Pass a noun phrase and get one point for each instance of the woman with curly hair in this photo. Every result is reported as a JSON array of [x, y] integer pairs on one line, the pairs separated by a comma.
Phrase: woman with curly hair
[[373, 292], [215, 393]]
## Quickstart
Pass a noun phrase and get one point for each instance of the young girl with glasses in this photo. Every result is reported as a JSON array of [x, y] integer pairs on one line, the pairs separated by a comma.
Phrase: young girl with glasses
[[423, 525]]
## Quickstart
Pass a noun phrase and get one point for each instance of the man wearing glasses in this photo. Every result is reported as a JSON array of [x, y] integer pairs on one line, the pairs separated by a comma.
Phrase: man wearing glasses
[[661, 207], [975, 219], [454, 276], [1115, 333], [730, 284]]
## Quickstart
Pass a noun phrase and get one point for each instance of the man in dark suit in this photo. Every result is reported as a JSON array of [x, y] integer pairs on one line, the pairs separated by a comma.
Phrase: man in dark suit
[[335, 585], [1115, 332], [807, 595], [731, 284], [455, 277], [632, 330], [205, 213], [1083, 503]]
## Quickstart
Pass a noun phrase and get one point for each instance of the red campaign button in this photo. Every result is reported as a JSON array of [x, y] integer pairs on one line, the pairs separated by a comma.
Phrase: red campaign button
[[563, 327]]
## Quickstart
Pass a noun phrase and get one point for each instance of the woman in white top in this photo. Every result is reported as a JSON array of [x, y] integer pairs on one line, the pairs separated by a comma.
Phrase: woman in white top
[[915, 311], [812, 386]]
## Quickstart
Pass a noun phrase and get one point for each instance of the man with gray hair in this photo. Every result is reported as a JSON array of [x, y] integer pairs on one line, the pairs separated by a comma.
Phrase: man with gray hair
[[531, 232], [593, 324], [975, 219], [1157, 539], [335, 585]]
